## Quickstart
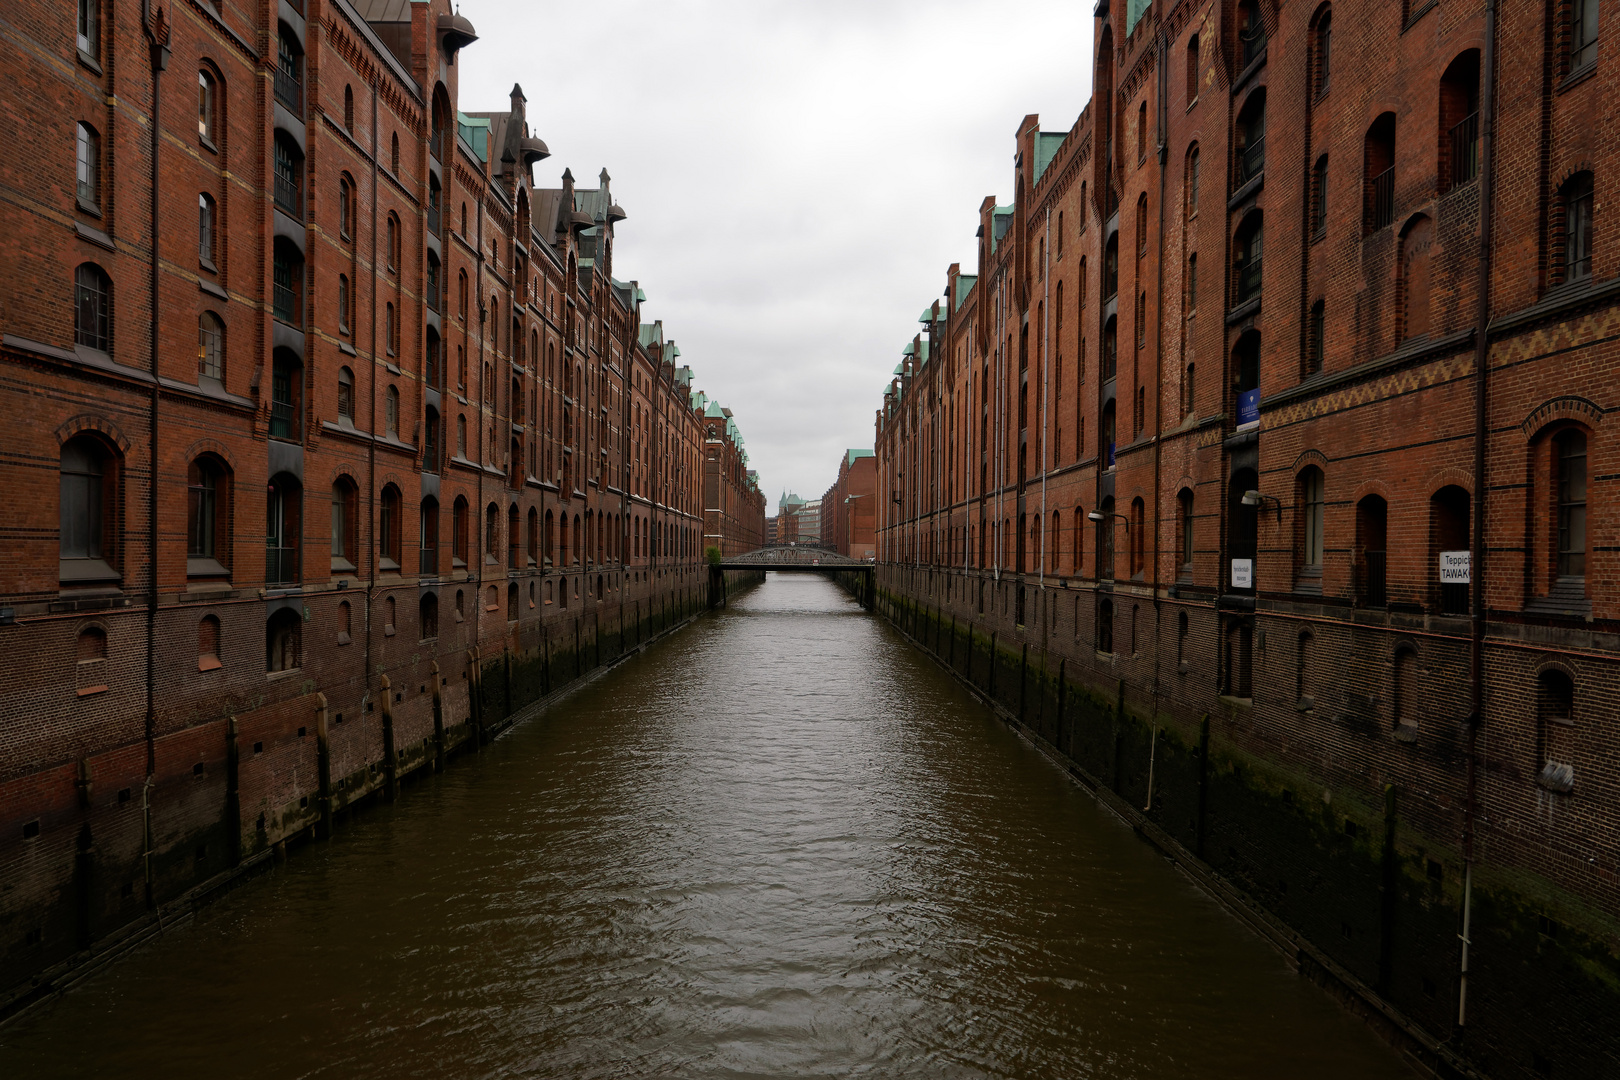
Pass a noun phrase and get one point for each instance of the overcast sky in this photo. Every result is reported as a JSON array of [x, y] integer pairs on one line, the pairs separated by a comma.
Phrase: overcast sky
[[798, 176]]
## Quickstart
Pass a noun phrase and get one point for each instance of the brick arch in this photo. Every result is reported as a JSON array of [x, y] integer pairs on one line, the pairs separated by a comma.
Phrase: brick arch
[[1187, 483], [1405, 644], [1372, 487], [1322, 9], [1451, 476], [1564, 407], [91, 422], [1576, 162], [1550, 662], [1310, 457], [342, 471], [210, 446]]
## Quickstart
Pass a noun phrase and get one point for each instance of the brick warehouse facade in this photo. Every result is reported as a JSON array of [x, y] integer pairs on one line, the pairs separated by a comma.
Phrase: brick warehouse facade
[[1311, 299], [260, 249]]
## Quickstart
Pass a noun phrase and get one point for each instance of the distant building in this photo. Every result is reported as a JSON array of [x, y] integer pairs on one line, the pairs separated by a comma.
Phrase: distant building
[[810, 522], [770, 531], [788, 509], [848, 513]]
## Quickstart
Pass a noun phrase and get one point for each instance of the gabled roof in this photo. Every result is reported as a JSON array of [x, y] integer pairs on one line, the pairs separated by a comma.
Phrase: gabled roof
[[964, 285]]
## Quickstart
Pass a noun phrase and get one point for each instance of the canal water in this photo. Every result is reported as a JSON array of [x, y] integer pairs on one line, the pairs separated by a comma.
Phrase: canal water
[[778, 843]]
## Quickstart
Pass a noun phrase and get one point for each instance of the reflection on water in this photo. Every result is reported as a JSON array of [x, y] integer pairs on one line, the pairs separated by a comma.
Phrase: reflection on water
[[779, 843]]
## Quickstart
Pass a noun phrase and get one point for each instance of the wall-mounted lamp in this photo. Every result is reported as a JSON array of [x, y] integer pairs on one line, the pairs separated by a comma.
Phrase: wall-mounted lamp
[[1257, 498], [1097, 515]]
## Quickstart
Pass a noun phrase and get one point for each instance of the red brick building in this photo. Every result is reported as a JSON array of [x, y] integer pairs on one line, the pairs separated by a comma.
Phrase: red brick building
[[1266, 446], [849, 510], [335, 441]]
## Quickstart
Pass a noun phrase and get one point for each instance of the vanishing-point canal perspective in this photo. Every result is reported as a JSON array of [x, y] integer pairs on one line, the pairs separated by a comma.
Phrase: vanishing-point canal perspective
[[426, 651]]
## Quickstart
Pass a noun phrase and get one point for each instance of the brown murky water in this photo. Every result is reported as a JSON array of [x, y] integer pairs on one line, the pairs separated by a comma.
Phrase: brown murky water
[[780, 843]]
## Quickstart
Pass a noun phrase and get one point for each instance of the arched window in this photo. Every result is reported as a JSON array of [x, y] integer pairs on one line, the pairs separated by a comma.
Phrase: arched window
[[289, 79], [348, 107], [550, 538], [210, 347], [1250, 131], [1239, 682], [208, 643], [393, 243], [205, 107], [89, 517], [1105, 433], [1555, 731], [287, 286], [1378, 173], [1184, 506], [1193, 70], [1416, 240], [1450, 527], [532, 535], [1324, 52], [1459, 121], [578, 541], [393, 157], [1141, 132], [92, 307], [345, 300], [206, 230], [283, 506], [1319, 177], [1573, 235], [1077, 545], [388, 528], [1372, 531], [208, 515], [428, 540], [1111, 268], [461, 296], [431, 438], [344, 520], [1105, 625], [1192, 181], [1138, 538], [346, 208], [1582, 35], [431, 285], [391, 412], [90, 28], [1248, 246], [1569, 455], [389, 325], [492, 531], [458, 533], [1308, 494], [286, 395], [89, 168], [1251, 31], [283, 641], [427, 616], [289, 167], [1110, 348], [1246, 379]]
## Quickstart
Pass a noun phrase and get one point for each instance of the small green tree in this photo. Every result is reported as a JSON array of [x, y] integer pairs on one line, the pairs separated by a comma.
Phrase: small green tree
[[713, 555]]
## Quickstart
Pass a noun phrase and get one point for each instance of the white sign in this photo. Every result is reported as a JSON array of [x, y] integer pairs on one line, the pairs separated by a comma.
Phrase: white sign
[[1454, 568], [1242, 573]]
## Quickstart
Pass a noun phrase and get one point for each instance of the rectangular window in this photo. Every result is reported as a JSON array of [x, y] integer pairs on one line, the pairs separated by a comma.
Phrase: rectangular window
[[90, 28], [89, 166], [1583, 34]]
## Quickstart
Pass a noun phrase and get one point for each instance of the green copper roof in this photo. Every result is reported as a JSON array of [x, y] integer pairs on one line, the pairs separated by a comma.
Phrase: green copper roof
[[964, 285], [474, 131], [899, 369], [713, 412], [850, 456], [1046, 148], [910, 349], [927, 316]]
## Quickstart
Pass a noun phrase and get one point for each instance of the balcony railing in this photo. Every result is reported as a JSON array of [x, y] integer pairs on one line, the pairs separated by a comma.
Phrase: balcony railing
[[288, 195], [284, 301], [436, 144], [1248, 283], [1254, 43], [1252, 162], [1465, 150], [1381, 200], [290, 90], [280, 565], [1373, 581], [435, 222]]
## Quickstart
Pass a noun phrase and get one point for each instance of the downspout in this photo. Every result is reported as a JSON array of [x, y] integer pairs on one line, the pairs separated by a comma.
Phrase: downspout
[[1476, 555], [1163, 111], [159, 47], [371, 443], [1001, 418], [476, 525], [1046, 389]]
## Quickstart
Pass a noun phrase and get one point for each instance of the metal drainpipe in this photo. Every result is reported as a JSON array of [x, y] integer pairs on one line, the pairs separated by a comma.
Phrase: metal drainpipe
[[1001, 416], [1163, 111], [1476, 557], [160, 61], [476, 525], [1046, 389], [371, 443]]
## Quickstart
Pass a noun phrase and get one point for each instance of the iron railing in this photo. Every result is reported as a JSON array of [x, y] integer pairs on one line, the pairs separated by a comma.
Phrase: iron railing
[[1374, 591], [1381, 200], [1248, 283], [434, 221], [290, 89], [1465, 150], [1254, 43], [288, 195], [280, 565], [1252, 162]]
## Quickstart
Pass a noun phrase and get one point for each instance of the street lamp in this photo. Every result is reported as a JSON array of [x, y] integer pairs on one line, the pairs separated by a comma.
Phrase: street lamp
[[1256, 498], [1097, 515]]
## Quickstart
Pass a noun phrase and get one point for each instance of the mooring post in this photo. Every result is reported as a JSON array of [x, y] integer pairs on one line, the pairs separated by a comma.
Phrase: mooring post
[[323, 768], [390, 759], [438, 721]]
